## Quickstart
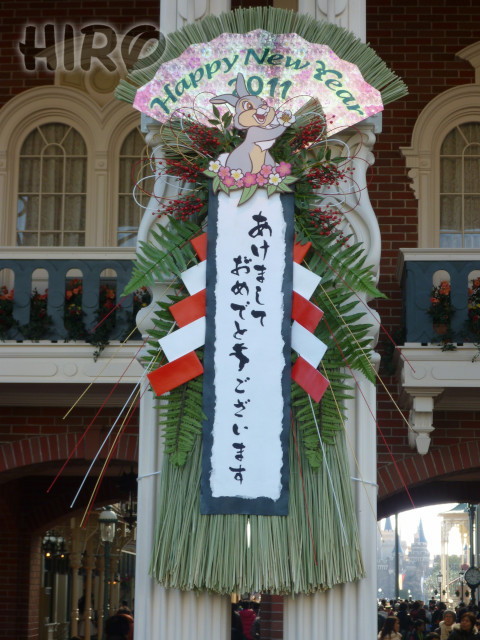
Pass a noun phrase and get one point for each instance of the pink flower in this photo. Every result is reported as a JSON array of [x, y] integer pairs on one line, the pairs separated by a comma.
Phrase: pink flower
[[240, 183], [284, 169], [224, 172], [261, 180], [266, 170], [228, 181], [249, 179]]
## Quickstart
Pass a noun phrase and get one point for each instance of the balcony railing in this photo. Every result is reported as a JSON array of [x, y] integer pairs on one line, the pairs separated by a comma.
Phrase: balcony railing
[[419, 271], [94, 267]]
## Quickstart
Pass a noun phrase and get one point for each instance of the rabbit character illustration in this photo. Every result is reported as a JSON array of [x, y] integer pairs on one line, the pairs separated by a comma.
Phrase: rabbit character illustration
[[263, 128]]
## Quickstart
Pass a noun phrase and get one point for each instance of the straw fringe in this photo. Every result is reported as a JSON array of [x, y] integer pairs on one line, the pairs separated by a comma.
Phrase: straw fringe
[[303, 552]]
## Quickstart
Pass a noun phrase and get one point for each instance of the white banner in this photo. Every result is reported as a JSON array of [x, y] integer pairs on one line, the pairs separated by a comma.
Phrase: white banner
[[247, 355]]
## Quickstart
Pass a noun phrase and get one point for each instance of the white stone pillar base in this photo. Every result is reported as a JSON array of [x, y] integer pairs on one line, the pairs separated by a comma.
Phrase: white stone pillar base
[[323, 615], [159, 612]]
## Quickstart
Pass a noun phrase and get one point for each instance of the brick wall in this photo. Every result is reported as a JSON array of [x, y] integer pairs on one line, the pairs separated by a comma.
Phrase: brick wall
[[30, 436], [120, 14], [418, 40], [34, 442], [271, 615]]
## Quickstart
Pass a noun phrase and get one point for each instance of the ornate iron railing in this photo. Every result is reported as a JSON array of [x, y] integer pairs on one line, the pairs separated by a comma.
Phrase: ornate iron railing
[[419, 271], [93, 268]]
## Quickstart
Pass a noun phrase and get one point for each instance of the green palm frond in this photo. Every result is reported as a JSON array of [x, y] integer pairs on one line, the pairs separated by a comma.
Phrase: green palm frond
[[344, 329], [168, 254], [330, 260], [181, 418]]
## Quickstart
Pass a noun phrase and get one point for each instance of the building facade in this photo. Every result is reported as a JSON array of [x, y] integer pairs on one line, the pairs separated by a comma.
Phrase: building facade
[[67, 149]]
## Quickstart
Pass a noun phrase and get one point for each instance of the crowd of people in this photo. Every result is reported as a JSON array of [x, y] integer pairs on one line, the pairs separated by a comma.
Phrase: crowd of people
[[405, 620], [119, 626]]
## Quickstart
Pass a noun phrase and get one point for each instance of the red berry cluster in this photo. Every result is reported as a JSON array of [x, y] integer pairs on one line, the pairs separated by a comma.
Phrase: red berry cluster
[[326, 174], [310, 133], [182, 208], [203, 138], [184, 169], [325, 220]]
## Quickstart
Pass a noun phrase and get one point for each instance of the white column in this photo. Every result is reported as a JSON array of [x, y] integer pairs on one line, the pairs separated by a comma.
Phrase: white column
[[159, 612], [170, 613], [443, 555], [75, 564], [175, 14], [323, 615], [350, 14], [366, 501]]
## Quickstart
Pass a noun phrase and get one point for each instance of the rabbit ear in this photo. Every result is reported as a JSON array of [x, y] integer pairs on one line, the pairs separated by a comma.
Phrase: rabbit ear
[[226, 98], [240, 87]]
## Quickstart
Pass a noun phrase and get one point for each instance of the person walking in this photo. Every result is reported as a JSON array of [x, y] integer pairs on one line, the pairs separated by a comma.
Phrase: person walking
[[248, 617], [391, 629], [446, 626], [467, 629]]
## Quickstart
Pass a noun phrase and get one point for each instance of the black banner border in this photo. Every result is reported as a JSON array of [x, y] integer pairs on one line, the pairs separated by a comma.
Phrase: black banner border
[[232, 505]]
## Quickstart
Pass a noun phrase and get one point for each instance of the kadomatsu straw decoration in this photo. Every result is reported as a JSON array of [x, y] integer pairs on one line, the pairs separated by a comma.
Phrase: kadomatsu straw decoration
[[253, 430]]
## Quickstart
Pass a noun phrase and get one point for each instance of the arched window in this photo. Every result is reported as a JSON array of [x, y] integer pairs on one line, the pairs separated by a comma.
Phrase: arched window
[[444, 164], [134, 168], [51, 207], [460, 187]]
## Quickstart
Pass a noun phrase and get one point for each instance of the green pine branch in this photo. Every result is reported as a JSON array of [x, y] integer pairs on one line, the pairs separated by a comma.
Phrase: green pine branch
[[168, 254]]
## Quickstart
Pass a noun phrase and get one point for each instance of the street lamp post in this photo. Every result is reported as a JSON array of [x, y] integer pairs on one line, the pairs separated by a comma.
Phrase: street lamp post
[[107, 521], [439, 580], [462, 581]]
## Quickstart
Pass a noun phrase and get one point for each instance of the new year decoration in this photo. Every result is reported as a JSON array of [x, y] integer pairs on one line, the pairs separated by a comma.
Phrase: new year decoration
[[254, 375]]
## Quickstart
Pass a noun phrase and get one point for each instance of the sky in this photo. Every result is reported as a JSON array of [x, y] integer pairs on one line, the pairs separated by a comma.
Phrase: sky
[[408, 526]]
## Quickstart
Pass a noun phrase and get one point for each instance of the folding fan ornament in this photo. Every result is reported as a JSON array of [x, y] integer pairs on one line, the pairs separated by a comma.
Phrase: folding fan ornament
[[249, 298], [282, 67]]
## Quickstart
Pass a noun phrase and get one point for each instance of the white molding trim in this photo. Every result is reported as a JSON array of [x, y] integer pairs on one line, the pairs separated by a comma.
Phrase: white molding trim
[[432, 368], [472, 55], [451, 108], [46, 362], [421, 419], [65, 253], [431, 379], [350, 14], [433, 255], [175, 14]]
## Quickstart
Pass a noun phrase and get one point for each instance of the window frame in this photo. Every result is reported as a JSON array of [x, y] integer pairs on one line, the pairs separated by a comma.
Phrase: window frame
[[119, 157], [454, 107], [462, 193], [39, 163], [103, 131]]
